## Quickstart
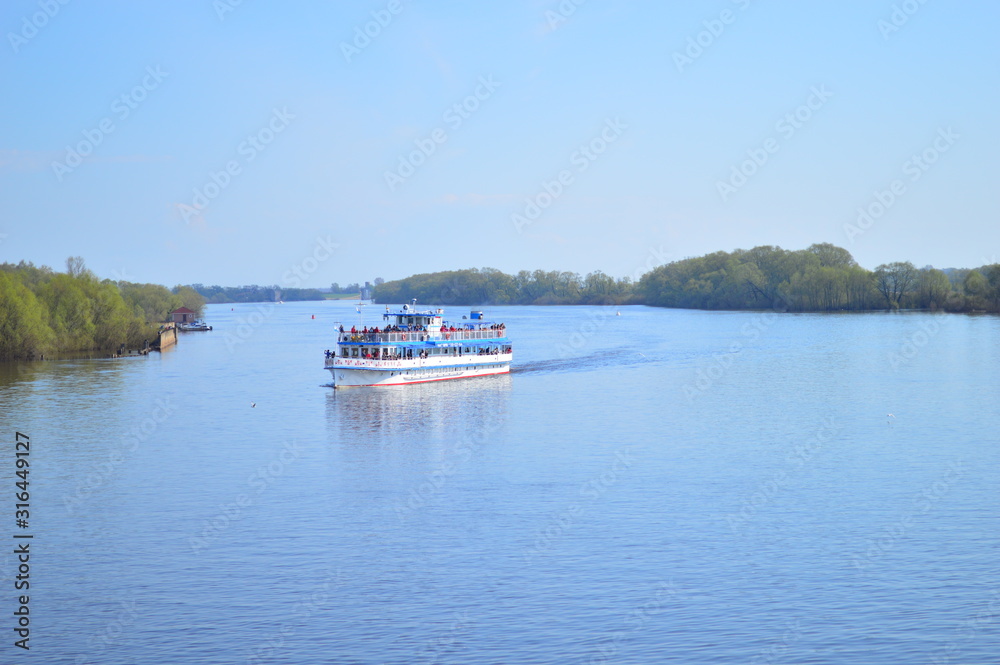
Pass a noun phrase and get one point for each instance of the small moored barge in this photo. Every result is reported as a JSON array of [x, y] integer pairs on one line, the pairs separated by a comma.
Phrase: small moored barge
[[194, 326]]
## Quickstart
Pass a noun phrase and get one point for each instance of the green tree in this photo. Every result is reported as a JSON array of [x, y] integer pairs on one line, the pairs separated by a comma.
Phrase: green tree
[[185, 296], [75, 266], [70, 311], [993, 278], [932, 288], [24, 331], [975, 284], [977, 290], [831, 256], [151, 302], [894, 280]]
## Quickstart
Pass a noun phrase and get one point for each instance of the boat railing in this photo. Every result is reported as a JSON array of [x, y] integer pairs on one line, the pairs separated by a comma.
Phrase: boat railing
[[421, 336]]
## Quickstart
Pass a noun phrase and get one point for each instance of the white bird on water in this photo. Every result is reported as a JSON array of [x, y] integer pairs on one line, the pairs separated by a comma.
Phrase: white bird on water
[[889, 415]]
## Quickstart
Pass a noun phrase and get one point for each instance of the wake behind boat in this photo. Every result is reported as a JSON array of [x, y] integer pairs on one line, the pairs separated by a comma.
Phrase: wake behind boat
[[419, 346]]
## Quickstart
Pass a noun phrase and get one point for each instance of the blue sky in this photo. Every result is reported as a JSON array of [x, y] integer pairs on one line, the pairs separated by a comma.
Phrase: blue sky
[[244, 142]]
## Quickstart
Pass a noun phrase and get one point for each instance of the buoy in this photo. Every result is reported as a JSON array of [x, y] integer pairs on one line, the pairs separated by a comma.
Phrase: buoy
[[314, 316]]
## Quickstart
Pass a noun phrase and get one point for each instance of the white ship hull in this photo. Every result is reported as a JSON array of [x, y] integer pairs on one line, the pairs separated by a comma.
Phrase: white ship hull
[[351, 372], [417, 347]]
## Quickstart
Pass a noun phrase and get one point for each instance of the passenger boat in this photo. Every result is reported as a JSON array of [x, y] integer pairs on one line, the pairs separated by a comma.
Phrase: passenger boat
[[417, 347]]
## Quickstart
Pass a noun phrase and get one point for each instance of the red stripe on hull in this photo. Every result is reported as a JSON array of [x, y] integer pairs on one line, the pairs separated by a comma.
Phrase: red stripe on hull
[[407, 383]]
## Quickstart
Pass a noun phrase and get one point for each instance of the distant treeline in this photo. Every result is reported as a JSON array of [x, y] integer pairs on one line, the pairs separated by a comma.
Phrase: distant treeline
[[350, 289], [488, 286], [254, 293], [822, 277], [42, 311]]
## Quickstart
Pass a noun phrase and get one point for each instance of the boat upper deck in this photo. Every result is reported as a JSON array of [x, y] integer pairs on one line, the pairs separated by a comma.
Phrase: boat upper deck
[[409, 327], [497, 333]]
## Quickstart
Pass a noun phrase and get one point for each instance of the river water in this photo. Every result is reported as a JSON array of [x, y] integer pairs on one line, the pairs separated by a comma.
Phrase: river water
[[663, 486]]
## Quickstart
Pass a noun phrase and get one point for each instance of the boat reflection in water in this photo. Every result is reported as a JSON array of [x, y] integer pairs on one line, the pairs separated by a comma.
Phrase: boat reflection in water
[[401, 446], [417, 412]]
